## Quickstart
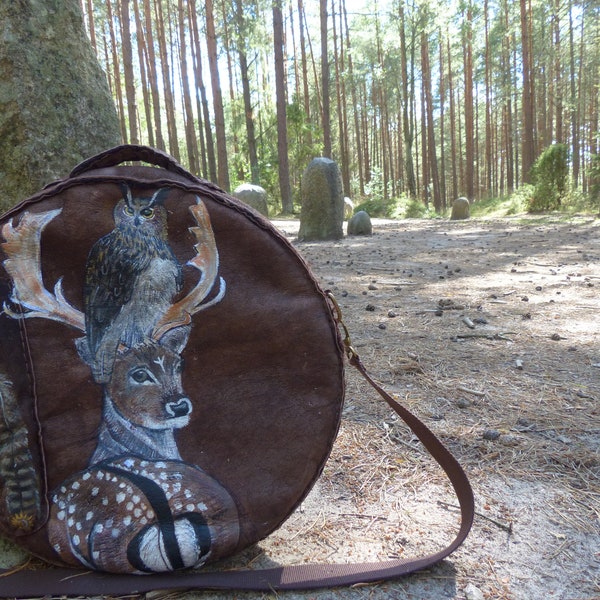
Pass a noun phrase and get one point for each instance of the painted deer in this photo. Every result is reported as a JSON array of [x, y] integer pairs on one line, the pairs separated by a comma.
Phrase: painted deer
[[137, 507]]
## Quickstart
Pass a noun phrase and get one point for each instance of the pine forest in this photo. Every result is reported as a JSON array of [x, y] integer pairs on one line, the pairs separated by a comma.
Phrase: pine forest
[[414, 100]]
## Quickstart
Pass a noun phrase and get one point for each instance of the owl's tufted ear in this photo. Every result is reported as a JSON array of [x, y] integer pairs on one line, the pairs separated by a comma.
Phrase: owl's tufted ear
[[159, 196], [126, 191], [176, 339]]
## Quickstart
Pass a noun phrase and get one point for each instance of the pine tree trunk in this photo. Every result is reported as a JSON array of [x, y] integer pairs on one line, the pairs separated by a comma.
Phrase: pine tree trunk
[[142, 58], [431, 149], [243, 64], [453, 148], [355, 111], [326, 115], [304, 61], [468, 103], [527, 133], [442, 101], [127, 51], [407, 101], [338, 57], [166, 77], [207, 146], [116, 72], [188, 113], [153, 77], [280, 85], [211, 42]]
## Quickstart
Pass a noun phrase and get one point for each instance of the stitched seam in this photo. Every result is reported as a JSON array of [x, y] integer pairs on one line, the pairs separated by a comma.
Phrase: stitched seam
[[43, 476]]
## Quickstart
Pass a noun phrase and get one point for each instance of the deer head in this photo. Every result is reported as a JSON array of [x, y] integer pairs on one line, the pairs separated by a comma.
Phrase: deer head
[[144, 402], [143, 397]]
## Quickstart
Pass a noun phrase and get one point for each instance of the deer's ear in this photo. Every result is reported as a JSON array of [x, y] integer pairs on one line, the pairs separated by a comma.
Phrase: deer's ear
[[176, 339]]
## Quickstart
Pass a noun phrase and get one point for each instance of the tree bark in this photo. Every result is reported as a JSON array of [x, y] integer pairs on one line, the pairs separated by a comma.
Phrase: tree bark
[[188, 113], [407, 100], [127, 50], [326, 114], [280, 90], [153, 77], [142, 58], [166, 77], [211, 42], [249, 117], [207, 147], [468, 103], [527, 133]]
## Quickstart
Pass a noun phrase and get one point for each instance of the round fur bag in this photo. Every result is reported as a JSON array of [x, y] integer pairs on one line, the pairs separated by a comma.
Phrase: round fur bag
[[171, 375]]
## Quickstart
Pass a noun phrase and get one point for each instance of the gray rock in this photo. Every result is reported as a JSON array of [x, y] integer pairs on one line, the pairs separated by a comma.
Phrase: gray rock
[[360, 224], [322, 213], [254, 196], [348, 207], [55, 105], [460, 209]]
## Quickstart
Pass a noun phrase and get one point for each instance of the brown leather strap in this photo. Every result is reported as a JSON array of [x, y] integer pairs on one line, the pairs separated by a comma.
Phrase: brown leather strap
[[132, 153], [69, 582]]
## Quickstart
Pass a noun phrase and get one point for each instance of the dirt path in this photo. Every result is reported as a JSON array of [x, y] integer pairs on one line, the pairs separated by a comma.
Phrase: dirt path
[[527, 432], [489, 331]]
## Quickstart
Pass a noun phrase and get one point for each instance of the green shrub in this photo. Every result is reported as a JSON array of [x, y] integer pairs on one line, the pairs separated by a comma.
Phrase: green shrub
[[416, 209], [550, 174]]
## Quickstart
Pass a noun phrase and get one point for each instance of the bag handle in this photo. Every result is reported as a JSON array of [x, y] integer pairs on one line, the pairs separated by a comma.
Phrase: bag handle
[[71, 582], [132, 152]]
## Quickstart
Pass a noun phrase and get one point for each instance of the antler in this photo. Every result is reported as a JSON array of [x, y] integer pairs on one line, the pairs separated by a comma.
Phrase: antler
[[22, 249], [207, 262]]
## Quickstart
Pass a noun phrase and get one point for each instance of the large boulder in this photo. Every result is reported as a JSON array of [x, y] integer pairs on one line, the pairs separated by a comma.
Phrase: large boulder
[[254, 196], [460, 209], [55, 105], [322, 213], [360, 224]]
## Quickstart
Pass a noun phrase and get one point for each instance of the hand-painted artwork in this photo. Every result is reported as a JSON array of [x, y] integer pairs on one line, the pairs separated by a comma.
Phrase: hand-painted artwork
[[138, 507], [20, 489]]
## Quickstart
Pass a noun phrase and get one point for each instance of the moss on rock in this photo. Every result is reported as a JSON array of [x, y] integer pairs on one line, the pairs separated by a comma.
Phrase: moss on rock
[[55, 105]]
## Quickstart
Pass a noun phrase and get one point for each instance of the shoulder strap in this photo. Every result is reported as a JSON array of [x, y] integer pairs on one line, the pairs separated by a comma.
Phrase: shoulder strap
[[71, 582]]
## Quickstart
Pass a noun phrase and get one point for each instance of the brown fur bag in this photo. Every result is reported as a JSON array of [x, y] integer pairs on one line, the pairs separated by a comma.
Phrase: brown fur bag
[[171, 374]]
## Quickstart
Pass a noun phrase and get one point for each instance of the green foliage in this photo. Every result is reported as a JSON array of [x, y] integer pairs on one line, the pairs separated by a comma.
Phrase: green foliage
[[403, 207], [550, 174], [377, 203], [412, 208], [503, 206]]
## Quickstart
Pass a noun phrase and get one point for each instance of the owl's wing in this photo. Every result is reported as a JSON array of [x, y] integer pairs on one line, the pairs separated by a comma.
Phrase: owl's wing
[[110, 277]]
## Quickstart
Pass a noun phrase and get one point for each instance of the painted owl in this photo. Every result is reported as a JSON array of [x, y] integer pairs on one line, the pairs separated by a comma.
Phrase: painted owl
[[131, 277]]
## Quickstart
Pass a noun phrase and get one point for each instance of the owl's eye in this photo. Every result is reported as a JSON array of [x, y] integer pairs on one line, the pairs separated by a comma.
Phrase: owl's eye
[[128, 210], [141, 375], [147, 212]]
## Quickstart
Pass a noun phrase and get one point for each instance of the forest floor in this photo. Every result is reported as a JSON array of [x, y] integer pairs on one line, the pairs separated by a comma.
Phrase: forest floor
[[488, 330]]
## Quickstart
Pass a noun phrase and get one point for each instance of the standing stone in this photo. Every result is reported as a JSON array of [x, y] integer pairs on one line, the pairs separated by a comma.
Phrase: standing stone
[[254, 196], [460, 209], [55, 105], [360, 224], [348, 207], [322, 213]]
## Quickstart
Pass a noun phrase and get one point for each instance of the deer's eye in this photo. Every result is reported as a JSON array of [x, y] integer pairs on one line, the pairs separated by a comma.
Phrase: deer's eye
[[141, 376], [147, 212]]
